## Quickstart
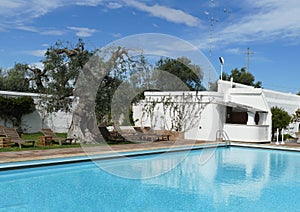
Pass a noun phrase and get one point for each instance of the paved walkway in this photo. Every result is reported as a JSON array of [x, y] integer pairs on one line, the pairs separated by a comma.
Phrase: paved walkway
[[79, 151], [82, 151]]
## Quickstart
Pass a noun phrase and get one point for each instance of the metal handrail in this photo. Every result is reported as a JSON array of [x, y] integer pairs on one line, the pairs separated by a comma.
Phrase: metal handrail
[[221, 135]]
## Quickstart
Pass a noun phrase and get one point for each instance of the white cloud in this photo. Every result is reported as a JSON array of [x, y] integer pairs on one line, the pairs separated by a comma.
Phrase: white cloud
[[260, 21], [234, 51], [116, 35], [52, 32], [27, 28], [92, 3], [114, 5], [41, 31], [38, 53], [27, 8], [170, 14], [83, 31], [155, 25]]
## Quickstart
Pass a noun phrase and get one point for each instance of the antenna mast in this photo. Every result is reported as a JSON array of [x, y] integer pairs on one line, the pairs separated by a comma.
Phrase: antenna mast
[[211, 28], [248, 58]]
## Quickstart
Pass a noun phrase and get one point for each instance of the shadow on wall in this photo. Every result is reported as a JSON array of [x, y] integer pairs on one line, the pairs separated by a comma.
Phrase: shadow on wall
[[33, 122]]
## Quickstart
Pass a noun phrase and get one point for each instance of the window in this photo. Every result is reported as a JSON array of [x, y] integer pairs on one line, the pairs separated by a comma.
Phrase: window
[[236, 115]]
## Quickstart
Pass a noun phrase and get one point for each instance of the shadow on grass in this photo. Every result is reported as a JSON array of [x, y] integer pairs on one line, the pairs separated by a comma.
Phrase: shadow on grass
[[36, 136]]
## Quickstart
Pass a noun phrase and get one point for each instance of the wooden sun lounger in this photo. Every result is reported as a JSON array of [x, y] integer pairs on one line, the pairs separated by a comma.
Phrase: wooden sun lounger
[[146, 135], [50, 135], [148, 132], [14, 137], [110, 136]]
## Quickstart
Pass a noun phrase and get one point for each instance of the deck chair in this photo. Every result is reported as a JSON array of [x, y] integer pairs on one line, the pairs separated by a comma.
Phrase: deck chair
[[146, 135], [298, 137], [14, 137], [49, 133], [110, 136], [147, 131], [2, 133]]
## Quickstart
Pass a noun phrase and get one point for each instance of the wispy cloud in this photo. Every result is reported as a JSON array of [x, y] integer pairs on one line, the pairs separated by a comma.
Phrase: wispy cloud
[[234, 51], [38, 53], [263, 21], [55, 32], [92, 3], [167, 13], [15, 14], [83, 31], [42, 31], [116, 35], [114, 5], [27, 8]]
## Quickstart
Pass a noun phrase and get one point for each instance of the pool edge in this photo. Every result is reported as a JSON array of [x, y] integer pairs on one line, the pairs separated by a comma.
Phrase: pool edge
[[78, 159]]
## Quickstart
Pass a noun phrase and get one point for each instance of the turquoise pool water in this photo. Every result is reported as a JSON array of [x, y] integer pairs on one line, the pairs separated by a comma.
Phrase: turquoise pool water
[[233, 179]]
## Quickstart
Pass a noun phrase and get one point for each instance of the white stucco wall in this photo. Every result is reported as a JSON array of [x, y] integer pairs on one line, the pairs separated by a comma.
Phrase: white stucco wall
[[211, 121], [33, 122], [289, 102], [212, 118], [198, 125], [247, 133]]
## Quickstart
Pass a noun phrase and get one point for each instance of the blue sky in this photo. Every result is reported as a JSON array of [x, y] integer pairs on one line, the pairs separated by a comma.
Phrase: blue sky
[[270, 28]]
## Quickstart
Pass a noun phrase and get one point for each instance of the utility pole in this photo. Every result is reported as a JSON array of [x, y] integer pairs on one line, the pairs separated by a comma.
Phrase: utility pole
[[248, 58]]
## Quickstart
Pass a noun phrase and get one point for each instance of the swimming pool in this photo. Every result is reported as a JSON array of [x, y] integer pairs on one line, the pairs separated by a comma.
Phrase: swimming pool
[[232, 179]]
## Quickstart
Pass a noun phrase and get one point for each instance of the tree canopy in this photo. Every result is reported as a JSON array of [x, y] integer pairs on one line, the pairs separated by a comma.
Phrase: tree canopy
[[128, 76], [13, 108], [280, 119], [242, 76], [296, 116], [182, 68], [15, 79]]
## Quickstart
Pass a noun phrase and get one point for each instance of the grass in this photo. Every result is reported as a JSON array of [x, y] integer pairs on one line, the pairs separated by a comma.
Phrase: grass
[[35, 136]]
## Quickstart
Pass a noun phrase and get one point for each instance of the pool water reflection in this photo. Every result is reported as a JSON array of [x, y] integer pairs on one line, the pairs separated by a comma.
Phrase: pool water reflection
[[232, 179]]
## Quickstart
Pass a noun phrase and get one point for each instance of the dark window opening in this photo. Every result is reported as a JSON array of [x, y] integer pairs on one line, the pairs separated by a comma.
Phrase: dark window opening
[[236, 116], [256, 118]]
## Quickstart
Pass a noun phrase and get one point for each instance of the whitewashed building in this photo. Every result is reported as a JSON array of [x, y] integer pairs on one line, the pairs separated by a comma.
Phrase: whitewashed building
[[33, 122], [235, 112]]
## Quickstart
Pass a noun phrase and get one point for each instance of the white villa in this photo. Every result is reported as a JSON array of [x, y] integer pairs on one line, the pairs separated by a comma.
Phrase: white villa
[[235, 112]]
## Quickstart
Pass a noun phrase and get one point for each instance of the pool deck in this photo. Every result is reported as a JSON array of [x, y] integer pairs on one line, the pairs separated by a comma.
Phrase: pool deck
[[30, 155]]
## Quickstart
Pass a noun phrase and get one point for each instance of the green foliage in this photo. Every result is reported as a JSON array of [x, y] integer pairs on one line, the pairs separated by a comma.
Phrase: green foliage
[[14, 79], [182, 68], [242, 76], [280, 119], [62, 65], [14, 108], [296, 115]]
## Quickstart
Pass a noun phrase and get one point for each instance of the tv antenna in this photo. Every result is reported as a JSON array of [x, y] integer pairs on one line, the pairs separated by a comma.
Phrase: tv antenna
[[213, 20], [249, 53]]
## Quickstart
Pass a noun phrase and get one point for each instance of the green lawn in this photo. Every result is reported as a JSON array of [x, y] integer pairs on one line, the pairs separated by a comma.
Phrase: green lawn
[[35, 136]]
